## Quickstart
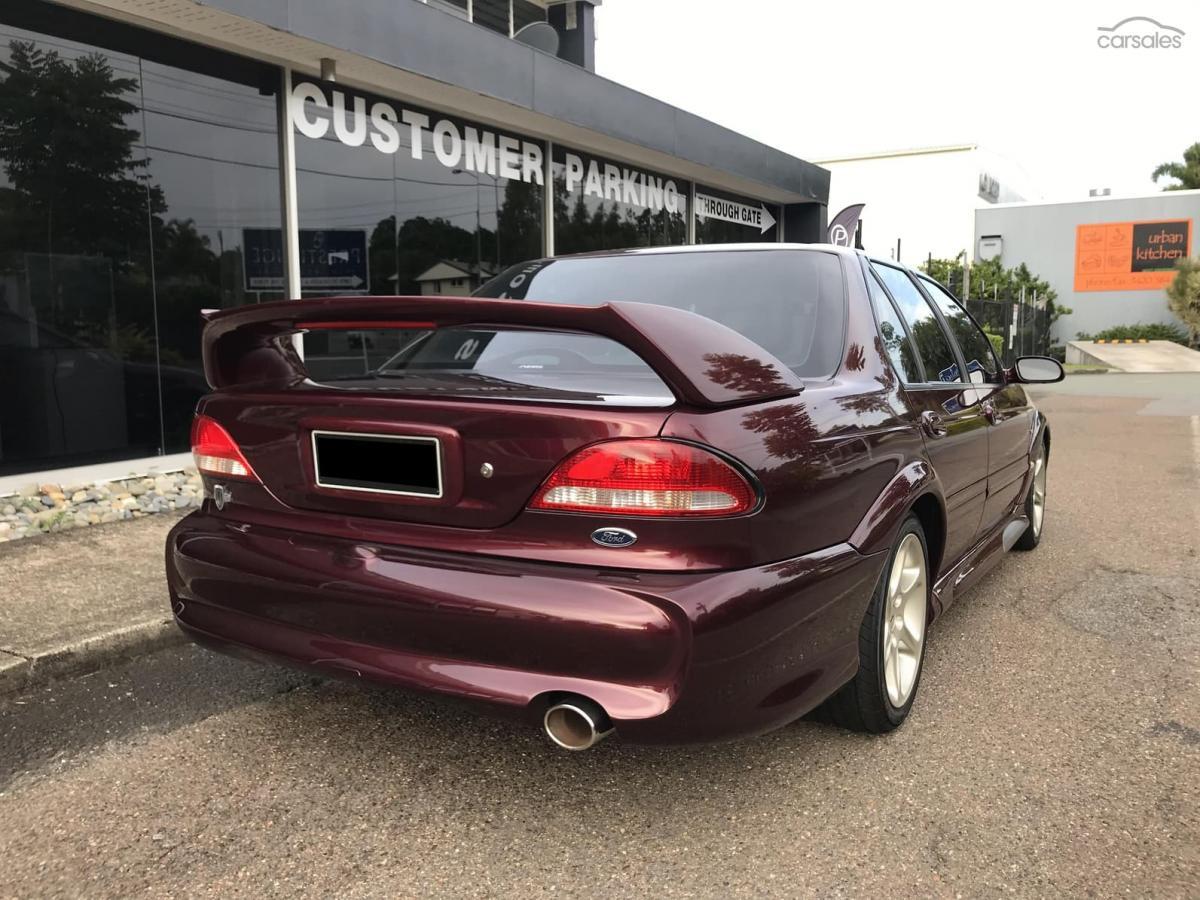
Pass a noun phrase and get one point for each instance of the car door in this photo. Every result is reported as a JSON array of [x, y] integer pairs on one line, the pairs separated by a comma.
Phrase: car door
[[949, 410], [1006, 406]]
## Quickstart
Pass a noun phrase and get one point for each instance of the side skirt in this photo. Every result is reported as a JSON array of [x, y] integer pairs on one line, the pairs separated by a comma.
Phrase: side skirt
[[976, 563]]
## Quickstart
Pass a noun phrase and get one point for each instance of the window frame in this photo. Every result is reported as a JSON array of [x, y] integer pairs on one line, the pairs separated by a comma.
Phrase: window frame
[[869, 274], [999, 378], [938, 317]]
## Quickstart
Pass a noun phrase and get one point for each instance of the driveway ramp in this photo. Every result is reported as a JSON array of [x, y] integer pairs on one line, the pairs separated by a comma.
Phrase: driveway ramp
[[1150, 356]]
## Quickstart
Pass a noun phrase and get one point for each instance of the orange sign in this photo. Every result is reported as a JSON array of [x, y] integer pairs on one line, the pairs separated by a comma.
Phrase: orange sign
[[1130, 256]]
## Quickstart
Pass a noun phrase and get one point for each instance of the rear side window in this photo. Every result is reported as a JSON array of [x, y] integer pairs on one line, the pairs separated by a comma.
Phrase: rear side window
[[789, 302], [932, 344], [976, 348], [506, 364], [891, 331]]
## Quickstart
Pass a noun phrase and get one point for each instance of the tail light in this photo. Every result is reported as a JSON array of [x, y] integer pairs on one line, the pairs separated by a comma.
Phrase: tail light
[[646, 478], [216, 453]]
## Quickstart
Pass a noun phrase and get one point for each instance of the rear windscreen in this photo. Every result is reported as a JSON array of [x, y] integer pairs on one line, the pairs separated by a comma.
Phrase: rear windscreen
[[789, 302], [489, 361]]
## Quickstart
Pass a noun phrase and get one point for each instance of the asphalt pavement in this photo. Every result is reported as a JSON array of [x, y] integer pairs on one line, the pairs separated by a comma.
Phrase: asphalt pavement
[[1054, 749]]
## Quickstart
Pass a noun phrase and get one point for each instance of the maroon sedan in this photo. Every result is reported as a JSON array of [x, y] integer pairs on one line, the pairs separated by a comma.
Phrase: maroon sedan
[[684, 493]]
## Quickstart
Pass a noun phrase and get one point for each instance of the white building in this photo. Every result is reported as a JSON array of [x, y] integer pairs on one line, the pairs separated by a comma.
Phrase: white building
[[452, 278], [1108, 258], [922, 202]]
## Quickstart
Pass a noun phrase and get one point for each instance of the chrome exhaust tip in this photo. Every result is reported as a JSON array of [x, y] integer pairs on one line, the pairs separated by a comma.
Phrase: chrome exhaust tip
[[576, 724]]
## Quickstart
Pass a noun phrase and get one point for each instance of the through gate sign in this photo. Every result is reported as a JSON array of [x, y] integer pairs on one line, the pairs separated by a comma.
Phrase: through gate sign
[[731, 211]]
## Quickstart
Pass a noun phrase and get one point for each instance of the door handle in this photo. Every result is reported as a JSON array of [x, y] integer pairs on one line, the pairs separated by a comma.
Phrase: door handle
[[934, 425], [990, 413]]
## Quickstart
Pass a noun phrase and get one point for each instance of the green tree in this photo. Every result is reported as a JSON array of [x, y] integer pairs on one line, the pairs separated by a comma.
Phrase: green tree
[[1186, 173], [946, 271], [1183, 296], [991, 281], [520, 222], [183, 253], [68, 154], [423, 242]]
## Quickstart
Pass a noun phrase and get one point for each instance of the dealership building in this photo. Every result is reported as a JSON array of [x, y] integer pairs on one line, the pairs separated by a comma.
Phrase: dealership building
[[160, 157]]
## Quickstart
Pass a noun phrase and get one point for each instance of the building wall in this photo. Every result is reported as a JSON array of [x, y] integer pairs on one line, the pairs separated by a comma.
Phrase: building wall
[[447, 287], [107, 258], [1043, 237]]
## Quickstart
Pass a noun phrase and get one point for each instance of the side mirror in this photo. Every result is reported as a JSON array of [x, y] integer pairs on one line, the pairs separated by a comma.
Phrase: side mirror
[[1038, 370]]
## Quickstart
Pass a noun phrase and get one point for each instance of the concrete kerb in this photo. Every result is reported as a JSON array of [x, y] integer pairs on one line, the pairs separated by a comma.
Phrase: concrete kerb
[[86, 655]]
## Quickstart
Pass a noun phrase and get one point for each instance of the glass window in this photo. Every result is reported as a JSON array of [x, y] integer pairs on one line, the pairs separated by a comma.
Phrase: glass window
[[936, 353], [601, 204], [394, 199], [526, 12], [789, 302], [723, 218], [125, 186], [457, 8], [891, 331], [491, 14], [974, 344], [511, 364]]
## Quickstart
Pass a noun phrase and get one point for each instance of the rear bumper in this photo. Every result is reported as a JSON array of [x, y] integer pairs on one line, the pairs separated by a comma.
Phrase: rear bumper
[[671, 657]]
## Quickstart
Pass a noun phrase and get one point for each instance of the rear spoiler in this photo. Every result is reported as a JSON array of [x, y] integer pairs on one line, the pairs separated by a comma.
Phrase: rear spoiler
[[703, 362]]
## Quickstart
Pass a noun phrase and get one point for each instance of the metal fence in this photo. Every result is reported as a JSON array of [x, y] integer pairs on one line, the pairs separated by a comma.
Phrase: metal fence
[[1023, 328], [1020, 322]]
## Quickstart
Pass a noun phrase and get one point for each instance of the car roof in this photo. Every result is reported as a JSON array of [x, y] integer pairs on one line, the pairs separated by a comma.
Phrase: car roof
[[710, 248], [893, 263]]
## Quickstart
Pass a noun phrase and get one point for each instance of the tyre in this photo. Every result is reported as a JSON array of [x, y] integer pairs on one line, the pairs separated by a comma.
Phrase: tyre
[[1035, 503], [891, 641]]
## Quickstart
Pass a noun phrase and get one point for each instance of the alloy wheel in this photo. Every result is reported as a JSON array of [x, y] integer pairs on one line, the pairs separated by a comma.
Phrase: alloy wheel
[[904, 620], [1039, 492]]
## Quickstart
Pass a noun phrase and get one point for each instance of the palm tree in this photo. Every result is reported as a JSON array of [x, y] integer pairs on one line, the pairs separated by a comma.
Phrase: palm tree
[[1187, 173], [1183, 296]]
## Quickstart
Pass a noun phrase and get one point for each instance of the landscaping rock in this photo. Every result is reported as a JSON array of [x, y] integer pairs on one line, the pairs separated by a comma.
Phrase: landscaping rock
[[40, 509]]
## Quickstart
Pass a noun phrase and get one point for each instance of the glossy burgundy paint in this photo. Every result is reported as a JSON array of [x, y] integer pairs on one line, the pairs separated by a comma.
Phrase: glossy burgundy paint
[[249, 344], [703, 629], [670, 656]]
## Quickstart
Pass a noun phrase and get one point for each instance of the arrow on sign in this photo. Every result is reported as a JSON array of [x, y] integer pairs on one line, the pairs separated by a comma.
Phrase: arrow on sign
[[732, 211], [331, 281]]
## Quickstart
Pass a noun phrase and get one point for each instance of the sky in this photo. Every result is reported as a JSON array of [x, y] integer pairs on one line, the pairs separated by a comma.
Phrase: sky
[[1023, 79]]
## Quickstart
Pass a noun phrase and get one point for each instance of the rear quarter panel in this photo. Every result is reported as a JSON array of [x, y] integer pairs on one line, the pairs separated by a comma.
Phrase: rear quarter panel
[[822, 459], [825, 457]]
